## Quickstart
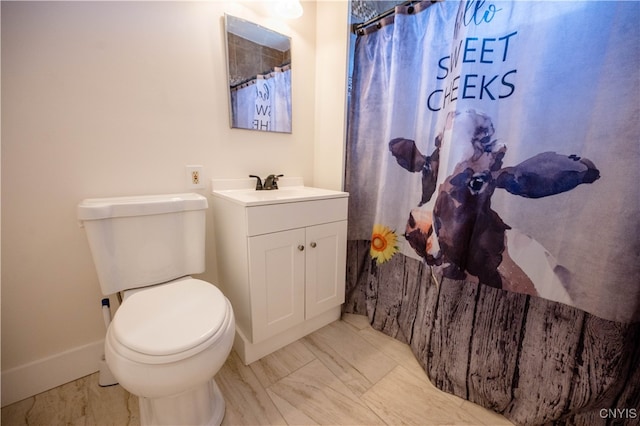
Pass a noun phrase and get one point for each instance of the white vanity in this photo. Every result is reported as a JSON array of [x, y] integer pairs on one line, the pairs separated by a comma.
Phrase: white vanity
[[281, 258]]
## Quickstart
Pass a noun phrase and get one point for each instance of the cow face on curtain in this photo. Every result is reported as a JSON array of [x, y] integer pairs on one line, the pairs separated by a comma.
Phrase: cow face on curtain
[[497, 142]]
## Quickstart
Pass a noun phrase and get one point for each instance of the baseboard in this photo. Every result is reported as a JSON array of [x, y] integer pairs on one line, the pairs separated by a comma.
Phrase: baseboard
[[35, 377]]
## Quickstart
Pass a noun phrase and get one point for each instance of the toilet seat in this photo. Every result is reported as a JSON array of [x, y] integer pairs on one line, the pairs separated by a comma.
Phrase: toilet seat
[[151, 327]]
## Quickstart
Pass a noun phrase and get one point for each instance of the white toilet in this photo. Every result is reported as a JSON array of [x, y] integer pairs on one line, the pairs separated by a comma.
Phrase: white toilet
[[172, 333]]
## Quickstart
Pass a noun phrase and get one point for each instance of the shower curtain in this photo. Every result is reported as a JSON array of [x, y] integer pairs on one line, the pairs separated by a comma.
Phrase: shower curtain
[[263, 103], [492, 164]]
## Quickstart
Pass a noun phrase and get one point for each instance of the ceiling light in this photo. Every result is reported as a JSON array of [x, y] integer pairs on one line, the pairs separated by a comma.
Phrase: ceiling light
[[289, 9]]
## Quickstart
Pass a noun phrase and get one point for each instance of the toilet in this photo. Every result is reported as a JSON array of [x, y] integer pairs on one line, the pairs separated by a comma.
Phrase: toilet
[[171, 333]]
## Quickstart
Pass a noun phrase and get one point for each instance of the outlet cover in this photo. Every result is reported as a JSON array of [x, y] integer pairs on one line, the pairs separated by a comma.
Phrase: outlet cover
[[194, 177]]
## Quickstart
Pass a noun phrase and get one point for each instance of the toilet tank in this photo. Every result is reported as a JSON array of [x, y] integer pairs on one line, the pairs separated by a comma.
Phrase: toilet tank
[[144, 240]]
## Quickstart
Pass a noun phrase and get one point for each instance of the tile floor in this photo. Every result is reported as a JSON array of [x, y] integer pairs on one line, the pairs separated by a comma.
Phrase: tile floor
[[343, 374]]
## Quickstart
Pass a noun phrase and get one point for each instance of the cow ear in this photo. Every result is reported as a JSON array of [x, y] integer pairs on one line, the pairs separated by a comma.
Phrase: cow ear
[[547, 174], [407, 154]]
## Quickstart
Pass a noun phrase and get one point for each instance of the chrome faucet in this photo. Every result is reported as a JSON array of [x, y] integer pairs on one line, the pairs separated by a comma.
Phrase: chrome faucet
[[270, 182]]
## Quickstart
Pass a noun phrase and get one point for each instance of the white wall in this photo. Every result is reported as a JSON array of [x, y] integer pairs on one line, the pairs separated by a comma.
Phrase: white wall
[[331, 59], [105, 99]]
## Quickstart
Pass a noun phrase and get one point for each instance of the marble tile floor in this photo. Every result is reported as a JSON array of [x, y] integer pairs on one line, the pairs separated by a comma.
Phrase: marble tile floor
[[343, 374]]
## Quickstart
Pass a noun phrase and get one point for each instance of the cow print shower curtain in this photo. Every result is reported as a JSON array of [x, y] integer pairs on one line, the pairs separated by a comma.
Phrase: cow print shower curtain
[[493, 159]]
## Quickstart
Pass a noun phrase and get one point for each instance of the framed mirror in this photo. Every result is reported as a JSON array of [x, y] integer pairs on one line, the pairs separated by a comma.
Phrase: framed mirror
[[259, 72]]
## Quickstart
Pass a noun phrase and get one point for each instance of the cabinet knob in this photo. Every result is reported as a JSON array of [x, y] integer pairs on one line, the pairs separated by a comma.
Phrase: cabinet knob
[[313, 244], [301, 247]]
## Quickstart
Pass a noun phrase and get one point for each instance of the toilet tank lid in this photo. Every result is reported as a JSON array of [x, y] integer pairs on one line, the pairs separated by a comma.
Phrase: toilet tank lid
[[141, 205]]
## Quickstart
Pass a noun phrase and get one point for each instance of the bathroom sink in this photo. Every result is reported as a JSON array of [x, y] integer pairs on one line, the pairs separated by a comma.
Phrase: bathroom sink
[[285, 194]]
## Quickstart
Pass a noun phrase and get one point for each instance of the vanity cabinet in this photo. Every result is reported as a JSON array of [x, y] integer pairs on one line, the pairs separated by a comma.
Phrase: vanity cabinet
[[281, 261], [295, 275]]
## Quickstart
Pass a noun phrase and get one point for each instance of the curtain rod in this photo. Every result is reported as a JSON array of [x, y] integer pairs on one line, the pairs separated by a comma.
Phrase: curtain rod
[[358, 26], [284, 67]]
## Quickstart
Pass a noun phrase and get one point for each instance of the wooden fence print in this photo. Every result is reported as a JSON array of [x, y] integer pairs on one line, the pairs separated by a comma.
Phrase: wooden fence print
[[531, 359]]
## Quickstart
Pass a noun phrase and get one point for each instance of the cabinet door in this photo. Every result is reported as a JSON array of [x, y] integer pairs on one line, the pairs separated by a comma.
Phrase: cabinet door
[[276, 265], [325, 267]]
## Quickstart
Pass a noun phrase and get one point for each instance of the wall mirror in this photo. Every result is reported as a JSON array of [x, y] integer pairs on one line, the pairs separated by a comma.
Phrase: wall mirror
[[259, 71]]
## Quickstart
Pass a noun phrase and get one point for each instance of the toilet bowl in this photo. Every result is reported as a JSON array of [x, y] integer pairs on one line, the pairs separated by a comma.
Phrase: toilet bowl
[[166, 343], [172, 333]]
